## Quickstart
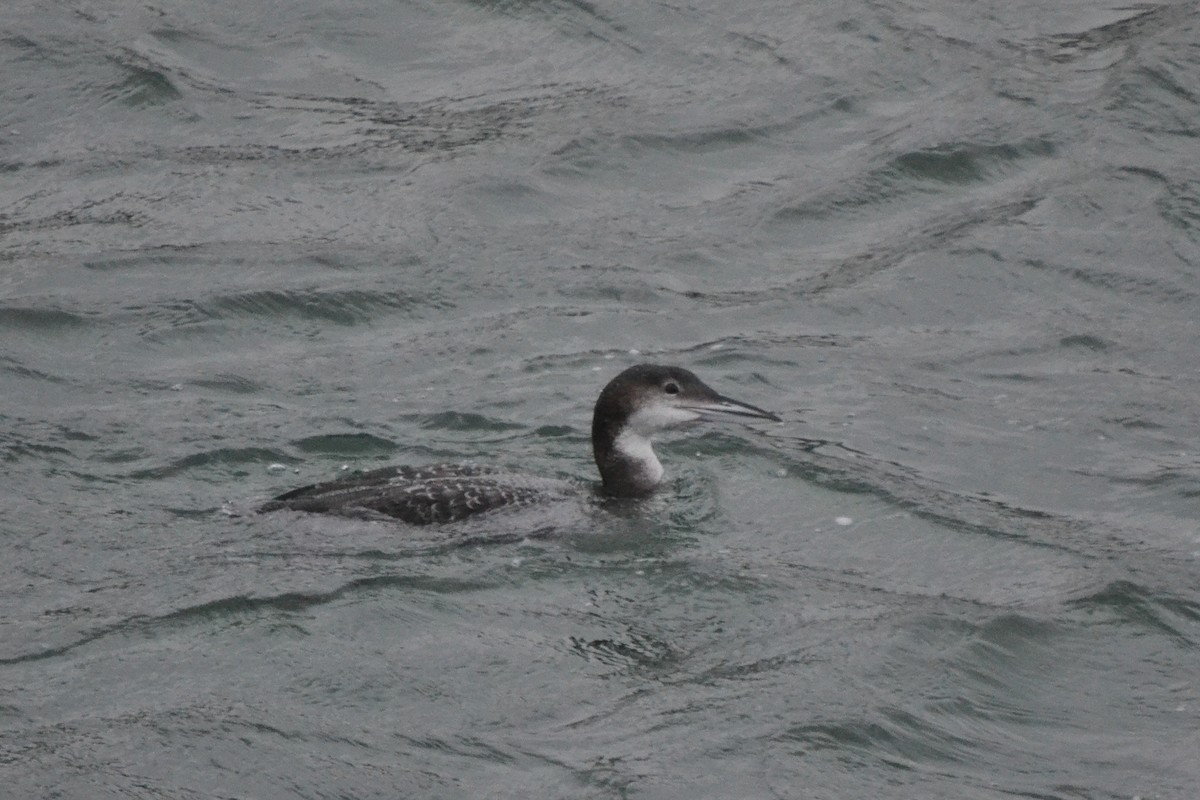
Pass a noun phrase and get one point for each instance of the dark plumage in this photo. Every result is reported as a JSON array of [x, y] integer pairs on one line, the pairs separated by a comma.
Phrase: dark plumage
[[420, 495]]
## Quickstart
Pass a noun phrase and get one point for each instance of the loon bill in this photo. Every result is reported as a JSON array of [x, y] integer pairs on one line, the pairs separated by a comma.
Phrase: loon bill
[[636, 404]]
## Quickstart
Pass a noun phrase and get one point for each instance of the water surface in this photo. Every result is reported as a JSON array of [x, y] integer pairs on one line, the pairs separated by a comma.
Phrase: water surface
[[955, 246]]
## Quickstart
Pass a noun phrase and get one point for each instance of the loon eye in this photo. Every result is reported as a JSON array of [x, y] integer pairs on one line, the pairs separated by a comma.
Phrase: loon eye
[[671, 388]]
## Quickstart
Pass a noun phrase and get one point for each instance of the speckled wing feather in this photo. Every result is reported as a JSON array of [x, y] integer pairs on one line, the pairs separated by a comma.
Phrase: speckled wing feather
[[421, 495]]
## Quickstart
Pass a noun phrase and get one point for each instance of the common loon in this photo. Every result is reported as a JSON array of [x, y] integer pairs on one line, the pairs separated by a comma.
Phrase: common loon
[[641, 401]]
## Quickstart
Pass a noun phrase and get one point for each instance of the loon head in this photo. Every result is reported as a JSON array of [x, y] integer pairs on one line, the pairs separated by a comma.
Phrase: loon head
[[638, 403]]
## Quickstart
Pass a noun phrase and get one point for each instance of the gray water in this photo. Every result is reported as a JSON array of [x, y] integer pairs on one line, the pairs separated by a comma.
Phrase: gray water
[[247, 245]]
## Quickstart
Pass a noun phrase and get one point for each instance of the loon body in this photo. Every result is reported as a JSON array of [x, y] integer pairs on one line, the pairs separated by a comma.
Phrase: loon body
[[636, 404]]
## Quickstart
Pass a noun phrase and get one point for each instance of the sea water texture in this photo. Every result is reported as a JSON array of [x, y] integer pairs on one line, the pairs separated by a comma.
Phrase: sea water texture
[[250, 245]]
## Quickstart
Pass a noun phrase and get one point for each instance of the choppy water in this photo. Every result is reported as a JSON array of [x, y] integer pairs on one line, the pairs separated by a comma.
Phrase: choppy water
[[954, 245]]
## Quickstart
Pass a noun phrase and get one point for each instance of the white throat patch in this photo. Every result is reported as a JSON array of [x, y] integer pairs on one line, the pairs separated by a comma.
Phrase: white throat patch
[[635, 448]]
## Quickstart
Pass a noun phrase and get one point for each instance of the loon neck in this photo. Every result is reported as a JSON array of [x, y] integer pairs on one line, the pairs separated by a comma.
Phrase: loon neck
[[628, 465]]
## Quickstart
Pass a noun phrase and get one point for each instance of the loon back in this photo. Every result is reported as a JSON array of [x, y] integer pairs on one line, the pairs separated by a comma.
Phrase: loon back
[[421, 495]]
